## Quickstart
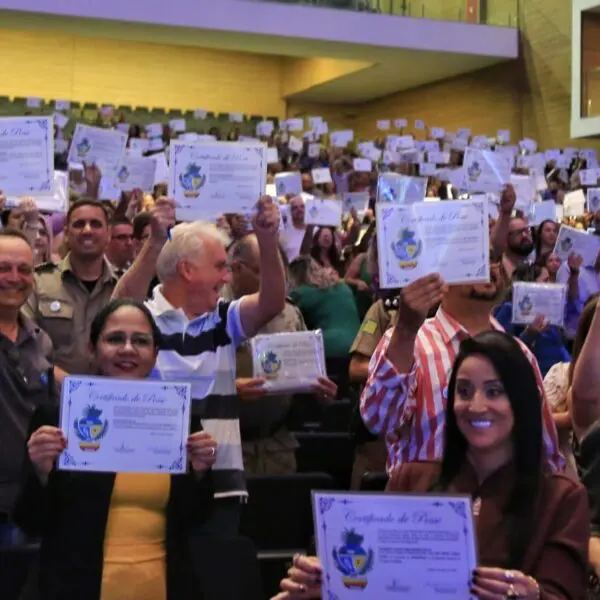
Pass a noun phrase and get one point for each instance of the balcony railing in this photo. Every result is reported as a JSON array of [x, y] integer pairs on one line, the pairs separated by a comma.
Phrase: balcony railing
[[502, 13]]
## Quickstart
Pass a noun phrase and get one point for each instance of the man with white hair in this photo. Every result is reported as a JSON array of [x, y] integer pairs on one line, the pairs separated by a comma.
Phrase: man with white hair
[[201, 331]]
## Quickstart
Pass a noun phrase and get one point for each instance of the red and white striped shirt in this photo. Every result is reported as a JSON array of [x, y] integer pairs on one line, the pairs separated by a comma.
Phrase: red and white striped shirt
[[408, 408]]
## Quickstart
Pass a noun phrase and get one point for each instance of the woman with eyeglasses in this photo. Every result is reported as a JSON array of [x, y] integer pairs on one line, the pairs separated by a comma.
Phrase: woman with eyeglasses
[[107, 536], [532, 525]]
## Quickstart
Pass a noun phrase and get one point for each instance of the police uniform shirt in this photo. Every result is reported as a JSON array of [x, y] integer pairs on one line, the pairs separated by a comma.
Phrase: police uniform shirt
[[64, 308], [379, 318]]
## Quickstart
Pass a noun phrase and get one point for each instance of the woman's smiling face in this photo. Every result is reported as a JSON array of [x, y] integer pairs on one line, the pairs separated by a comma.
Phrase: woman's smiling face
[[126, 347], [481, 406]]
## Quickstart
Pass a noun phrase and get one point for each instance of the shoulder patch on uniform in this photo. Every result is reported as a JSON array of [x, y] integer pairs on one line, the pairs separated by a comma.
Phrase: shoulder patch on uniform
[[369, 327], [46, 267]]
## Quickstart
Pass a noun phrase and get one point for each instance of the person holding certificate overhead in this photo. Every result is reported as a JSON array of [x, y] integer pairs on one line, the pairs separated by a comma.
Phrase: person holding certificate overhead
[[201, 330], [532, 524], [114, 535]]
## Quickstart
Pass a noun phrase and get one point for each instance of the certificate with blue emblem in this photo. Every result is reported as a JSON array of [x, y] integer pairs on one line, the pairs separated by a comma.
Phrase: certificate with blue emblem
[[124, 426], [290, 362], [27, 156], [395, 545], [103, 147], [210, 179], [450, 238], [532, 299]]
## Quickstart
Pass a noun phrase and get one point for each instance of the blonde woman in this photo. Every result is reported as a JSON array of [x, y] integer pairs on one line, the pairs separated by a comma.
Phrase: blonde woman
[[326, 303], [38, 231]]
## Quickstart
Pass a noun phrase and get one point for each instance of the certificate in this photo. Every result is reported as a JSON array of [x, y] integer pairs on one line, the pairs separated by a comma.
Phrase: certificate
[[121, 425], [323, 211], [27, 156], [103, 147], [575, 240], [321, 176], [392, 187], [206, 180], [486, 171], [593, 199], [136, 172], [290, 362], [574, 204], [356, 200], [288, 183], [395, 545], [542, 211], [525, 190], [362, 165], [449, 238], [58, 202], [532, 299]]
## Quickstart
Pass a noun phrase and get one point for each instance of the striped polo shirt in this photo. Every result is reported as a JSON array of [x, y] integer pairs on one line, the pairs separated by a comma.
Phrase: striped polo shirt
[[201, 352]]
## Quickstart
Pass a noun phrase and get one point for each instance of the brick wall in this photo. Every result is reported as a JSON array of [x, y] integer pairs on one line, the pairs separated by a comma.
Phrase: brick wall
[[57, 65], [486, 101], [530, 96]]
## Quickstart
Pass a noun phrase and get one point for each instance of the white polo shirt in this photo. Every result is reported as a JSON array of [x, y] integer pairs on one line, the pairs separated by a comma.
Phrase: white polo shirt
[[202, 352]]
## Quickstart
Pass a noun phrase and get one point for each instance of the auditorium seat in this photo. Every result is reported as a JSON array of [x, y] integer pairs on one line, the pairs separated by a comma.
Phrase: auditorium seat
[[373, 482], [15, 563], [278, 518], [337, 416], [305, 413], [228, 568], [331, 453]]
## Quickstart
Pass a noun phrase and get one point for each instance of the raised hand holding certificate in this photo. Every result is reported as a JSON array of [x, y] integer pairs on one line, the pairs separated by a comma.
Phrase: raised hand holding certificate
[[27, 156], [449, 238], [392, 545], [290, 362], [102, 147], [486, 171], [532, 299], [222, 177], [136, 172], [121, 425], [571, 240]]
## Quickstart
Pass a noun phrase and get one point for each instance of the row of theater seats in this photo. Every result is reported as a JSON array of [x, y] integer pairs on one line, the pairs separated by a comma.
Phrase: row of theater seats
[[277, 522], [278, 518], [139, 115]]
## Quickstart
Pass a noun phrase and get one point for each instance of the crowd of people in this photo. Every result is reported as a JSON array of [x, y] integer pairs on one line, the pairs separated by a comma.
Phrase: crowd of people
[[450, 394]]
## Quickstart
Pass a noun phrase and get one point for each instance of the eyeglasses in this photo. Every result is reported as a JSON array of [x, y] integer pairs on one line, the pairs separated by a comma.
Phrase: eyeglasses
[[137, 340]]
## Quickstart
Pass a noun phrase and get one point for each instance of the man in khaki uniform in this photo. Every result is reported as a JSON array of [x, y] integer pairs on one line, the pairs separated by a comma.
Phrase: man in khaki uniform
[[379, 318], [67, 296], [267, 446], [371, 453]]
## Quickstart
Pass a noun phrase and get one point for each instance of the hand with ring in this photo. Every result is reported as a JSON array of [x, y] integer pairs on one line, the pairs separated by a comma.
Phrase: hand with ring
[[494, 584], [202, 451], [325, 389], [303, 580]]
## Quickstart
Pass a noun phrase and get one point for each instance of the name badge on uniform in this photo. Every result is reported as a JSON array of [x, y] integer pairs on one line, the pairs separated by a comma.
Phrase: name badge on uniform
[[55, 306]]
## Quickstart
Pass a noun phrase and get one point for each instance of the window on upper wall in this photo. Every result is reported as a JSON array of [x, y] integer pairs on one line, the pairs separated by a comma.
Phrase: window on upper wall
[[590, 63]]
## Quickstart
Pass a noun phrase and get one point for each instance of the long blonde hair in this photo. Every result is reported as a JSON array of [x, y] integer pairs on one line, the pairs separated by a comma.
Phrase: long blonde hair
[[305, 270]]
